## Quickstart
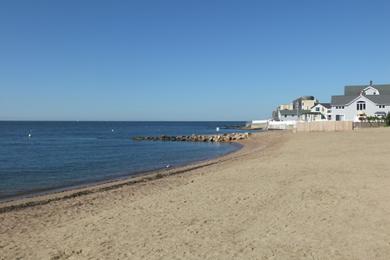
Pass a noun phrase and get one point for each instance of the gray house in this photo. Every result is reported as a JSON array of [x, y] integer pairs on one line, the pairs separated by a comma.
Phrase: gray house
[[294, 115], [361, 100]]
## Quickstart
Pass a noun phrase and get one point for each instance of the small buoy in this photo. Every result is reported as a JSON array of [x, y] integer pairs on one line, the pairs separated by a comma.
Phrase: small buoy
[[217, 129], [29, 135], [112, 130], [168, 166]]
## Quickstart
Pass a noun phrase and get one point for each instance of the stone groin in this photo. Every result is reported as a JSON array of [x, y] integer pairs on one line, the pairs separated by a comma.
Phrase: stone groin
[[222, 138]]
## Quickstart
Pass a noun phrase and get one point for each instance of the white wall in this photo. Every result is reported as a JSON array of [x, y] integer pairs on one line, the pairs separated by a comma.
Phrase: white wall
[[277, 125], [371, 91]]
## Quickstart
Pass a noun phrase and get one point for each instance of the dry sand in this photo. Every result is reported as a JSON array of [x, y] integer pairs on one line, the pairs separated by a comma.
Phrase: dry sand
[[283, 196]]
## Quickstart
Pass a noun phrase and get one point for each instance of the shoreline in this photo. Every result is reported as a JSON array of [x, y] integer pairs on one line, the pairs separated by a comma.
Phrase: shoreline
[[283, 195], [58, 194]]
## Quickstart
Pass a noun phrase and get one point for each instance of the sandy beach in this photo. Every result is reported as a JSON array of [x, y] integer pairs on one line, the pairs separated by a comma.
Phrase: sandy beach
[[282, 196]]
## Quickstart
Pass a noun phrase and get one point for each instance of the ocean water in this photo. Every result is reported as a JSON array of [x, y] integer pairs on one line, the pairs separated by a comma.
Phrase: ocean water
[[60, 155]]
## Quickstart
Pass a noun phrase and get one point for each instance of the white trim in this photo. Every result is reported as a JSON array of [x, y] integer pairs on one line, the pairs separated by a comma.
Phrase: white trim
[[371, 87], [348, 104]]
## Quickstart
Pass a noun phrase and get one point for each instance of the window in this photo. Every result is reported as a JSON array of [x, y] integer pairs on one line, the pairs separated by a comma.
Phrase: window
[[381, 106], [361, 105], [317, 109]]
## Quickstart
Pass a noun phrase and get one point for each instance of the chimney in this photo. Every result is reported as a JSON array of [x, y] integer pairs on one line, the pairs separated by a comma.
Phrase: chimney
[[370, 83]]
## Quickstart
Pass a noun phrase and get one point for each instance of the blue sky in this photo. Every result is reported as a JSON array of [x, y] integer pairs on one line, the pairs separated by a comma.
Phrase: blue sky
[[183, 60]]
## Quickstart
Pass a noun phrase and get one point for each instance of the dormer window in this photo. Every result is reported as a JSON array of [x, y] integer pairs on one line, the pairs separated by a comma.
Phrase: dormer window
[[370, 91]]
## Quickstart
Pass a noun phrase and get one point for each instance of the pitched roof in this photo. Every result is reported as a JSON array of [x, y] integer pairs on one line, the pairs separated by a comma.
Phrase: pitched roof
[[286, 112], [354, 90], [379, 99], [326, 105], [342, 100]]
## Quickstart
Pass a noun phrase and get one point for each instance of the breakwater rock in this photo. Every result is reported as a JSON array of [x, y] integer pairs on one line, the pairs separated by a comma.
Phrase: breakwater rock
[[222, 138]]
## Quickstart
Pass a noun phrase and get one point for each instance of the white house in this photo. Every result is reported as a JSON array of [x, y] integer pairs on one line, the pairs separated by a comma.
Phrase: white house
[[360, 101], [322, 111]]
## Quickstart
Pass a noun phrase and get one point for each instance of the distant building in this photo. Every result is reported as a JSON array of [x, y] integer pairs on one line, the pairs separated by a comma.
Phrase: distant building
[[293, 115], [286, 107], [323, 111], [299, 110], [287, 115], [304, 103], [361, 101]]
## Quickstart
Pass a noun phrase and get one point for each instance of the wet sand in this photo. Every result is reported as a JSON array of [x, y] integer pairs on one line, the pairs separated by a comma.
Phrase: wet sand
[[283, 196]]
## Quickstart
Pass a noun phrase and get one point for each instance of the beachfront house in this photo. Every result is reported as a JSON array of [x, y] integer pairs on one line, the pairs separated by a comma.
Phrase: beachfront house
[[304, 103], [322, 111], [301, 109], [287, 115], [361, 101], [301, 115]]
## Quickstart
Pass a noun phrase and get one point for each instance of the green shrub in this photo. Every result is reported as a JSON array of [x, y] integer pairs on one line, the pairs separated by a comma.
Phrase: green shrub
[[387, 119]]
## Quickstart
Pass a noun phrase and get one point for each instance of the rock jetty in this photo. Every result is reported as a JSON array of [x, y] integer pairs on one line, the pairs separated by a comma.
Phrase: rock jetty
[[223, 138]]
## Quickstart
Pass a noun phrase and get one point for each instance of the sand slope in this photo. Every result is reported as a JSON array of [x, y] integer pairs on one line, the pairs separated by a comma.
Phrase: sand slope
[[306, 196]]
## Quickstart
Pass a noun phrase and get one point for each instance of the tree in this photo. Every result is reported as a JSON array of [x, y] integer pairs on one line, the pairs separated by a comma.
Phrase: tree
[[387, 119]]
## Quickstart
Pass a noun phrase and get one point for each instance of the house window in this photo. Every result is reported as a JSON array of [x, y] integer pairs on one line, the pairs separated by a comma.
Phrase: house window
[[317, 109], [361, 105], [381, 106]]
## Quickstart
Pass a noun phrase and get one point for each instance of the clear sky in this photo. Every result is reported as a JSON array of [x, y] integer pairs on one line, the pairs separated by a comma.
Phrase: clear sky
[[184, 60]]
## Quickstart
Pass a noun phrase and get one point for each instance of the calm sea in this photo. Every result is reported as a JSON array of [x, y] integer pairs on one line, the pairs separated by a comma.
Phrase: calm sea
[[60, 155]]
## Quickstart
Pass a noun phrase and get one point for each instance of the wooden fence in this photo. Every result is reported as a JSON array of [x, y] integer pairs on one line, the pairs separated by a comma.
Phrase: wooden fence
[[324, 126], [368, 124]]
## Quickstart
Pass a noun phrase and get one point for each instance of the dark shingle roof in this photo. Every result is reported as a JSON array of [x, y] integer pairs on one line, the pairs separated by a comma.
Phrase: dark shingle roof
[[379, 99], [327, 105], [288, 112], [354, 90], [293, 112], [342, 100]]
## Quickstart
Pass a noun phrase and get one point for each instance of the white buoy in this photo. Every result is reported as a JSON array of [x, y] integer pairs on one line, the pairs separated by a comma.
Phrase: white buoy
[[29, 135], [168, 166], [112, 130], [217, 129]]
